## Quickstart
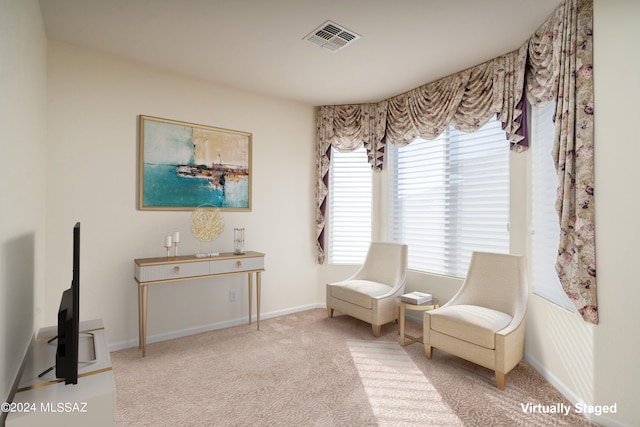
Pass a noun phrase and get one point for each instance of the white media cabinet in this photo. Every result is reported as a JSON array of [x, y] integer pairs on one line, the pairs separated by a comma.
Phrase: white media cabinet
[[48, 401]]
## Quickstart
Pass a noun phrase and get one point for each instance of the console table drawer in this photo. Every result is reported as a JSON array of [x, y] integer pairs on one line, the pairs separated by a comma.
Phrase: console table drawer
[[172, 271], [234, 265]]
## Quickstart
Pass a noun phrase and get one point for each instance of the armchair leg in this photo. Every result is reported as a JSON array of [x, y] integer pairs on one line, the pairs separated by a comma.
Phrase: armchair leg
[[376, 330], [330, 312], [427, 351], [501, 379]]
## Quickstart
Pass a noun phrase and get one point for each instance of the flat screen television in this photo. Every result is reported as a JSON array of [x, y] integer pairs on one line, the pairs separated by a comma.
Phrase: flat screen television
[[69, 321]]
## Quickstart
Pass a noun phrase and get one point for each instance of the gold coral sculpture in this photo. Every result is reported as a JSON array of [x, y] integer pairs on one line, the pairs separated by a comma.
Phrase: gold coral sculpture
[[207, 224]]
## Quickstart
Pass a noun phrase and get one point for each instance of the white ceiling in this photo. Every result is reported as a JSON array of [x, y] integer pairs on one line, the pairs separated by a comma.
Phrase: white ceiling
[[257, 45]]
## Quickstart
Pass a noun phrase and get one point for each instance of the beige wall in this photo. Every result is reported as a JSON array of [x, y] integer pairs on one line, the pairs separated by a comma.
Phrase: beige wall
[[617, 90], [22, 190], [93, 105]]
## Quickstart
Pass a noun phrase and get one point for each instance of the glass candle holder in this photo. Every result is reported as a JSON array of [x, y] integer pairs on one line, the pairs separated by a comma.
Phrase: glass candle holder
[[238, 241]]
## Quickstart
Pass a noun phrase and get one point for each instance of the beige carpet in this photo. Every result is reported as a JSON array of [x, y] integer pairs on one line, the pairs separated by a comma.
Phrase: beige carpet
[[305, 369]]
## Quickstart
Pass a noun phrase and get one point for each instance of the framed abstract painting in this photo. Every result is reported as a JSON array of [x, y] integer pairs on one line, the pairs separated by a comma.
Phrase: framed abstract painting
[[185, 165]]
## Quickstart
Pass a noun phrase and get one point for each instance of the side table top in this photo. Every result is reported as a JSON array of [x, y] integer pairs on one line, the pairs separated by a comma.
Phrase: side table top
[[429, 305]]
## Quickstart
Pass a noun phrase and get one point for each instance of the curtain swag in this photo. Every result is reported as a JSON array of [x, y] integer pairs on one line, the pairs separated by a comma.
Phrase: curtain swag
[[466, 100], [555, 64]]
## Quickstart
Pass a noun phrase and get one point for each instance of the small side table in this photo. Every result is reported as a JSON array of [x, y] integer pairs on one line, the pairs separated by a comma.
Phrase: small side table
[[406, 339]]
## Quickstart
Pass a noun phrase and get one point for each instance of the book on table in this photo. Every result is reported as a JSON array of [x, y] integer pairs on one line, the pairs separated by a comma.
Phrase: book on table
[[416, 297]]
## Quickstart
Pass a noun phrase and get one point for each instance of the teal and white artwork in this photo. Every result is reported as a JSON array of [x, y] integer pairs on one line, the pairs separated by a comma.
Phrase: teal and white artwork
[[183, 166]]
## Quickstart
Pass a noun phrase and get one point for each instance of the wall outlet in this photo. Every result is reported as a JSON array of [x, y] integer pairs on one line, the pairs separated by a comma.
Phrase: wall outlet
[[233, 296]]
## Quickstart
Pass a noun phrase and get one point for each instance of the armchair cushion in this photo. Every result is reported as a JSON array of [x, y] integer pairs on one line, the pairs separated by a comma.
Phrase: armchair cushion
[[359, 292], [470, 323]]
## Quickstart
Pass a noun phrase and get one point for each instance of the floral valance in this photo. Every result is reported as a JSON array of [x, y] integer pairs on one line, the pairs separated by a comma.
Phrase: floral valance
[[466, 100], [554, 65]]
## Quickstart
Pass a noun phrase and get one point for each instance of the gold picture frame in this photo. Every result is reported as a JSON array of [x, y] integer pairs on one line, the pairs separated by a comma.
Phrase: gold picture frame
[[185, 165]]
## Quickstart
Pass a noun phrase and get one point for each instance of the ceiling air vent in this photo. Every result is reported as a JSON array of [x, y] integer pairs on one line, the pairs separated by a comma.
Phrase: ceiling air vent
[[332, 36]]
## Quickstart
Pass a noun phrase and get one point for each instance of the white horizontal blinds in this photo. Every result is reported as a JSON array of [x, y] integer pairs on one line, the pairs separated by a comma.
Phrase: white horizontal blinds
[[349, 207], [417, 193], [482, 207], [545, 226], [450, 197]]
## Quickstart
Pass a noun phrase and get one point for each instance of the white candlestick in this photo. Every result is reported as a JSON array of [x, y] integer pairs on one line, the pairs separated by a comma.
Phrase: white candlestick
[[167, 241], [176, 237]]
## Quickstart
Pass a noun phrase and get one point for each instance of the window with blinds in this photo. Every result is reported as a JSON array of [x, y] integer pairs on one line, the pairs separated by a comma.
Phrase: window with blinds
[[449, 197], [545, 226], [349, 206]]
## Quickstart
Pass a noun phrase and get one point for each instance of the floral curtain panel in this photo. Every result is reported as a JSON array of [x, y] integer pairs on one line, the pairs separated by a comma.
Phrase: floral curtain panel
[[555, 64], [560, 68]]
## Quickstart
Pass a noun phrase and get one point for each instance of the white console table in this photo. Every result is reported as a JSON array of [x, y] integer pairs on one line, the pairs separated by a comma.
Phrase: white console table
[[149, 271], [48, 401]]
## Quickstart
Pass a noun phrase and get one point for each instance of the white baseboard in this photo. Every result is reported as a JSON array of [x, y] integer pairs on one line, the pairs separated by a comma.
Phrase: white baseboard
[[570, 395], [210, 327]]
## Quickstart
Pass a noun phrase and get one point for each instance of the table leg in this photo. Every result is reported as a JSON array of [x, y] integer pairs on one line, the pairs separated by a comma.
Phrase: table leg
[[139, 315], [143, 292], [401, 324], [250, 296], [258, 296]]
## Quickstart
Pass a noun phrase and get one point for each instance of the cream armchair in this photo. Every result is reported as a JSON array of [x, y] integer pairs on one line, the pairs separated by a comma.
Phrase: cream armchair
[[484, 322], [369, 295]]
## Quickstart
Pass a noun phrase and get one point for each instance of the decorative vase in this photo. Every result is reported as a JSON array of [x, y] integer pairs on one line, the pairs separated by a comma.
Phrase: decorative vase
[[238, 241]]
